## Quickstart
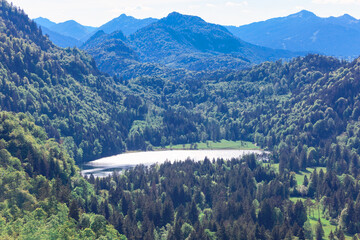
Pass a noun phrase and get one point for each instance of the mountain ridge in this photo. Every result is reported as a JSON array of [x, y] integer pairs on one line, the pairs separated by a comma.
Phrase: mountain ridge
[[127, 24], [189, 42], [304, 31]]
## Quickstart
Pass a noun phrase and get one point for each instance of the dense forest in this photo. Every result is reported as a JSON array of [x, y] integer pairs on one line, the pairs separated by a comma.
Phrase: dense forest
[[39, 185], [58, 109]]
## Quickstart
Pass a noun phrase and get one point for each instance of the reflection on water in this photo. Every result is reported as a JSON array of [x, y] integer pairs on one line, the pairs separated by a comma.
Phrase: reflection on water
[[105, 166]]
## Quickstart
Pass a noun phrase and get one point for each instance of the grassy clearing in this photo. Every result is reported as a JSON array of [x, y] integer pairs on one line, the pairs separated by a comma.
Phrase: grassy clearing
[[315, 214], [274, 166], [317, 210], [223, 144], [325, 223], [300, 175]]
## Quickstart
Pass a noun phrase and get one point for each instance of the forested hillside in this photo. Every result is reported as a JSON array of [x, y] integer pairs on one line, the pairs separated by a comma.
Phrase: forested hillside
[[40, 187], [180, 41], [94, 115], [61, 88], [58, 108]]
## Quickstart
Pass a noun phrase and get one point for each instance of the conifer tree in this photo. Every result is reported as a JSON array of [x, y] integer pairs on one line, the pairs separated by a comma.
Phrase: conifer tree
[[319, 233], [74, 210]]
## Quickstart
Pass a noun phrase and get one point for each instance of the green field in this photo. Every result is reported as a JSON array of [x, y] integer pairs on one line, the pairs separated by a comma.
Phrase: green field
[[223, 144], [315, 214], [300, 175]]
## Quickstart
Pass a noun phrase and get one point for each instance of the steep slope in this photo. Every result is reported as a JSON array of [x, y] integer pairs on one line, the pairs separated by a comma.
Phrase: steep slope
[[61, 40], [178, 34], [304, 31], [111, 52], [127, 24], [39, 186], [62, 89], [114, 56]]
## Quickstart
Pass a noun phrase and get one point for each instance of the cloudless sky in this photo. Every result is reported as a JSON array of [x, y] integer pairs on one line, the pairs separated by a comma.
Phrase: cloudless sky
[[225, 12]]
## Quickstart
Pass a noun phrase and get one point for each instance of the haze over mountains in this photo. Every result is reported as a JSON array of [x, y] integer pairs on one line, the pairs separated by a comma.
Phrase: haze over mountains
[[69, 33], [127, 24], [178, 41], [299, 32], [80, 33], [304, 31]]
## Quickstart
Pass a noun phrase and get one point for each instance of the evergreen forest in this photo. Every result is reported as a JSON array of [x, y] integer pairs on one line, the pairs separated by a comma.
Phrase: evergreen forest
[[59, 111]]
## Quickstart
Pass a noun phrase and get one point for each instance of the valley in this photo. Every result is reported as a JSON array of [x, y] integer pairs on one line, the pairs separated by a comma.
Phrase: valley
[[181, 85]]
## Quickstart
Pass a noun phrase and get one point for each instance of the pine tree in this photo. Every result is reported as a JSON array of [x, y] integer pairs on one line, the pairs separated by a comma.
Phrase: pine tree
[[74, 210], [331, 236], [193, 213], [319, 234], [306, 181], [301, 234]]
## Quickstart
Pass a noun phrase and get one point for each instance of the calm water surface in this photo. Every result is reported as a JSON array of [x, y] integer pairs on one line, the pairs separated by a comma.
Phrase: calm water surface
[[105, 166]]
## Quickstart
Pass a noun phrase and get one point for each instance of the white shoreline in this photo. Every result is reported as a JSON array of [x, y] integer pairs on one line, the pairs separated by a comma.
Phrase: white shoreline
[[128, 160]]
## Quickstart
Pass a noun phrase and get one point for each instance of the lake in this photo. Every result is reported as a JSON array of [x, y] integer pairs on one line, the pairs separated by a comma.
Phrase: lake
[[105, 166]]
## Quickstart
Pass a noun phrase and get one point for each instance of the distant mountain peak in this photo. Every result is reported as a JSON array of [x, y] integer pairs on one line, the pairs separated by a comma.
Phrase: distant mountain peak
[[304, 31], [97, 35], [176, 18], [348, 17], [41, 18], [118, 35], [44, 22], [124, 16], [304, 14], [71, 21], [127, 24]]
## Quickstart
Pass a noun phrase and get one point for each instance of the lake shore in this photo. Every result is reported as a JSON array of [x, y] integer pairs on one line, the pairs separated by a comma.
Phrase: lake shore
[[131, 159]]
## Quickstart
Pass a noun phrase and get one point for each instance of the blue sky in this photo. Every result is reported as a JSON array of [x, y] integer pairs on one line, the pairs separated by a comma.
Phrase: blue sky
[[226, 12]]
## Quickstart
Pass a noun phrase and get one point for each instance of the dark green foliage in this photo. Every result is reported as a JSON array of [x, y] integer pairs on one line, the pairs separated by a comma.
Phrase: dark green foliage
[[305, 111], [74, 210], [209, 198], [319, 233], [39, 184], [61, 89]]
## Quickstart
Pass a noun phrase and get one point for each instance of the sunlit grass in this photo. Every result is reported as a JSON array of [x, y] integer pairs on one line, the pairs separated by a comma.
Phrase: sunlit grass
[[223, 144], [301, 174]]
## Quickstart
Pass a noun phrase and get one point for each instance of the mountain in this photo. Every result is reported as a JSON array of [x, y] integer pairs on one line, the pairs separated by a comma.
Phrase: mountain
[[127, 24], [44, 22], [304, 31], [61, 40], [67, 33], [71, 33], [111, 52], [177, 36], [72, 29], [182, 41], [61, 88]]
